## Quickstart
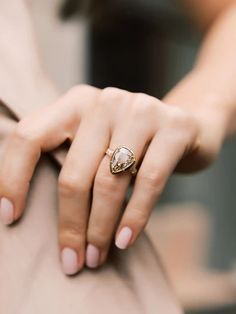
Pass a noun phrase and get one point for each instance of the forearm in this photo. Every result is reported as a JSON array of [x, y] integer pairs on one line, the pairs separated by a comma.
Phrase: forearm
[[210, 89]]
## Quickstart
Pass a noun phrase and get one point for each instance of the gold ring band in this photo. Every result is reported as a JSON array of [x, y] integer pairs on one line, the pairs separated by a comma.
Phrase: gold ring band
[[121, 159]]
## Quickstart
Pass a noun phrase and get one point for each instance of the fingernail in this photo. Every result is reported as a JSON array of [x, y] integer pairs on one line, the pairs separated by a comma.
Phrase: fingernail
[[124, 238], [69, 260], [6, 211], [92, 256]]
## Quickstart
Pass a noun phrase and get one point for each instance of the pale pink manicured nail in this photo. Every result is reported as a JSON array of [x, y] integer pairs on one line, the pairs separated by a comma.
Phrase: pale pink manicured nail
[[6, 211], [124, 238], [69, 261], [92, 256]]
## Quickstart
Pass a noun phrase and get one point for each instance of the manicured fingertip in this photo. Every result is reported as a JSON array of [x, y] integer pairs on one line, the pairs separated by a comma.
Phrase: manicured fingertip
[[69, 259], [6, 211], [92, 256], [123, 238]]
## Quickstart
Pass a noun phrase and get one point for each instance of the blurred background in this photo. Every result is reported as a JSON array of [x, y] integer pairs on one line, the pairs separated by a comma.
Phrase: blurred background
[[147, 46]]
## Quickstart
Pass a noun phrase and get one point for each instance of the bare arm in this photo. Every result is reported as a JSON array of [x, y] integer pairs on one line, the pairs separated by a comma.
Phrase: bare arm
[[203, 13], [209, 90]]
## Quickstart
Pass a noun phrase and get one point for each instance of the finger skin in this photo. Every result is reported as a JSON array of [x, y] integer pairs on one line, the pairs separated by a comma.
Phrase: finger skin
[[164, 152], [75, 183], [109, 191], [40, 131], [108, 195]]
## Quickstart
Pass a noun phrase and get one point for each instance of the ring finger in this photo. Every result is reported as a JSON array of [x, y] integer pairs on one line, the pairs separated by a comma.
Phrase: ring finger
[[109, 193]]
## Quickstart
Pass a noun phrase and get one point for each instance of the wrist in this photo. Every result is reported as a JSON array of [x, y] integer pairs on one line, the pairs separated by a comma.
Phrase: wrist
[[197, 95]]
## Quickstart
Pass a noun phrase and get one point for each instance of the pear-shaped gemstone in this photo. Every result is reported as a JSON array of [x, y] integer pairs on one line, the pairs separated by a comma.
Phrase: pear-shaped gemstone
[[121, 160]]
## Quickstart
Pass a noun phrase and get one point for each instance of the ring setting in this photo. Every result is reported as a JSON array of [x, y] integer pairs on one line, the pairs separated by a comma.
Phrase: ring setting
[[122, 159]]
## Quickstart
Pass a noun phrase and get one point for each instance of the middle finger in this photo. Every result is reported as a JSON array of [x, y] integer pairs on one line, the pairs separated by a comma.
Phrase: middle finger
[[75, 182]]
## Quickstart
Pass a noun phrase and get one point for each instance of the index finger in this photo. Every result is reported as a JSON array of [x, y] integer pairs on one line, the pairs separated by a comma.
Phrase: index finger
[[43, 130]]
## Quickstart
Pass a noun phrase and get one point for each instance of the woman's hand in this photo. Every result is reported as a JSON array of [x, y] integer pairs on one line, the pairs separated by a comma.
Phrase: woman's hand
[[162, 137]]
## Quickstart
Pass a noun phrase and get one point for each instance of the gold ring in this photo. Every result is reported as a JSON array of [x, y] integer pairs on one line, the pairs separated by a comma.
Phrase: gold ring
[[122, 159]]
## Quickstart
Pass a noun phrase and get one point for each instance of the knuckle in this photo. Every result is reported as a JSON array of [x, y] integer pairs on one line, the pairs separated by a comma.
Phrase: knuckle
[[81, 88], [184, 126], [105, 185], [24, 132], [87, 96], [140, 217], [72, 228], [110, 95], [98, 237], [180, 119], [70, 185], [144, 105], [112, 92], [152, 181]]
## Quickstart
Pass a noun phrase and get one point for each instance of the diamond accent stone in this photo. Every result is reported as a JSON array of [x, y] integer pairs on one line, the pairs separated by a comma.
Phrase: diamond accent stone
[[121, 160]]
